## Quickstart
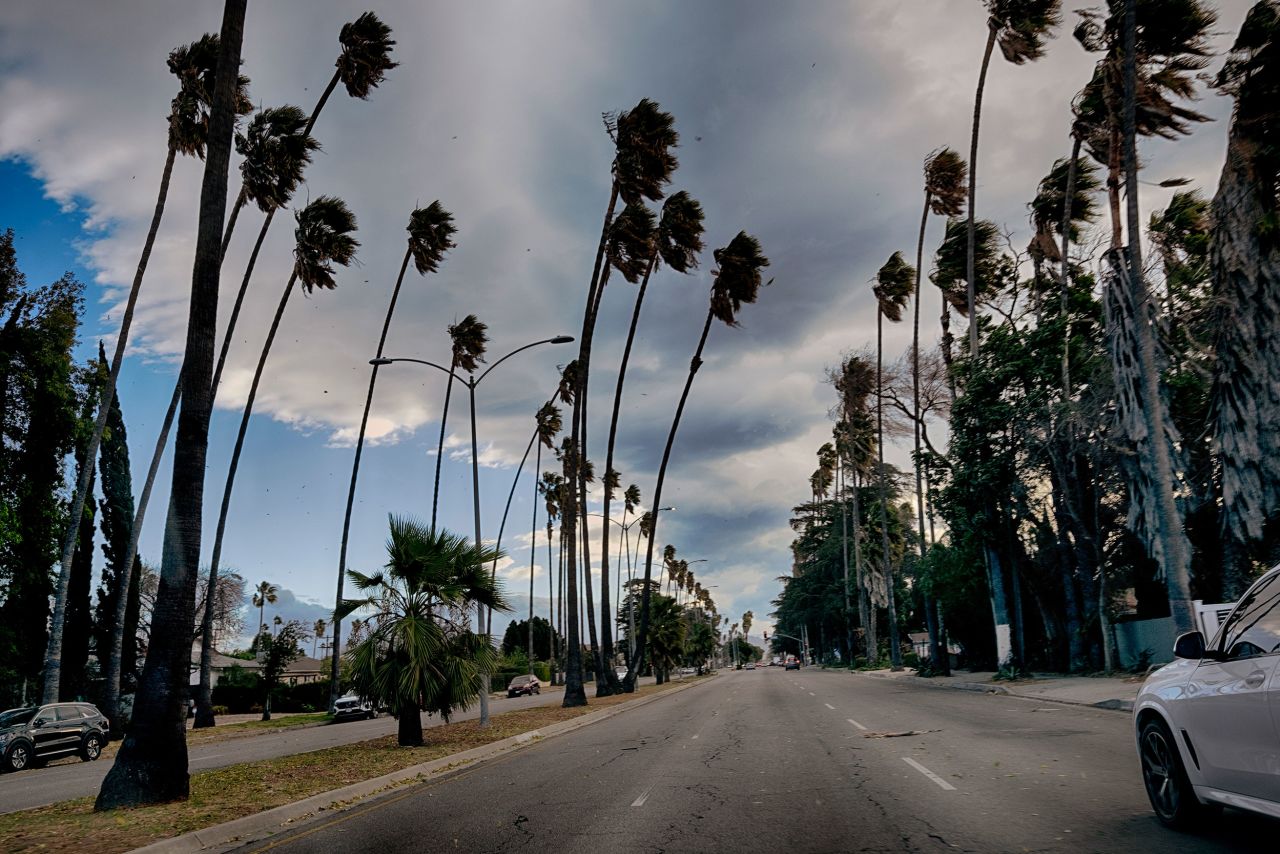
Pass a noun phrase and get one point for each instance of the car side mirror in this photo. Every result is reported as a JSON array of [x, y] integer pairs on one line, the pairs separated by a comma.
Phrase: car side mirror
[[1190, 645], [37, 723]]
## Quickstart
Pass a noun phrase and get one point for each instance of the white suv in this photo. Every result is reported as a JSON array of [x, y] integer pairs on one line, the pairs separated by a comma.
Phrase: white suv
[[352, 706], [1208, 724]]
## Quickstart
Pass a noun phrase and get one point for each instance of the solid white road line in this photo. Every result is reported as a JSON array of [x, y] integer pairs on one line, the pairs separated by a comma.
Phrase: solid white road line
[[925, 771], [644, 796], [855, 723], [829, 706]]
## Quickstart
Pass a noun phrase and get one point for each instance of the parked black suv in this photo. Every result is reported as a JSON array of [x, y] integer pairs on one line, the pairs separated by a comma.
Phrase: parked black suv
[[32, 736]]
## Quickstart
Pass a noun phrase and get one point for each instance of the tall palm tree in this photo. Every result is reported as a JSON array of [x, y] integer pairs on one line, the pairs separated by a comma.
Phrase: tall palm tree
[[322, 239], [469, 337], [1245, 258], [318, 632], [736, 283], [893, 286], [944, 195], [415, 659], [950, 274], [855, 383], [151, 766], [643, 162], [276, 149], [263, 595], [276, 152], [431, 231], [1020, 27], [550, 490], [549, 426], [195, 66]]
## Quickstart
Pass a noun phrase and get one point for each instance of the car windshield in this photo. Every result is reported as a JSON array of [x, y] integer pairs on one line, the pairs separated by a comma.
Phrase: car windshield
[[521, 680], [14, 717]]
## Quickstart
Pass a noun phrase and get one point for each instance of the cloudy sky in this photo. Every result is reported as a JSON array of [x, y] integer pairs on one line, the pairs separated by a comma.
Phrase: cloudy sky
[[804, 123]]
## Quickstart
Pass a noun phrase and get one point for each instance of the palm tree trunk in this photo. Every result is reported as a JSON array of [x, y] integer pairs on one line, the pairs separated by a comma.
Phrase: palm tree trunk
[[409, 728], [533, 548], [935, 653], [970, 270], [551, 604], [241, 198], [614, 685], [1173, 538], [866, 612], [444, 420], [220, 531], [948, 359], [53, 651], [1065, 281], [637, 659], [351, 489], [844, 550], [152, 763], [895, 649]]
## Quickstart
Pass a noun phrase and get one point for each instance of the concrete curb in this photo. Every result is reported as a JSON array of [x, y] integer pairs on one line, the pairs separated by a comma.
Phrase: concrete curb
[[1111, 705], [259, 826]]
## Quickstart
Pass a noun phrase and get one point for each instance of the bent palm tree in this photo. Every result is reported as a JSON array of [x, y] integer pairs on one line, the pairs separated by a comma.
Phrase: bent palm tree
[[736, 283], [893, 287], [264, 594], [195, 66], [323, 238], [415, 658], [431, 231], [470, 338]]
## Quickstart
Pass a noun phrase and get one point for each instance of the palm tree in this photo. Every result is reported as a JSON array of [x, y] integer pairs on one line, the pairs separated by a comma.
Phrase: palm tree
[[263, 595], [152, 763], [747, 619], [894, 283], [431, 231], [1245, 262], [667, 636], [470, 338], [944, 195], [549, 487], [415, 658], [855, 384], [323, 238], [950, 274], [1020, 27], [195, 66], [276, 149], [736, 283], [643, 162], [318, 630]]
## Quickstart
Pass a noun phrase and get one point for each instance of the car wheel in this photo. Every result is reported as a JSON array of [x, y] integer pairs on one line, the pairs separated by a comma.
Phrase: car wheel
[[18, 758], [1165, 778], [372, 714], [92, 747], [537, 690]]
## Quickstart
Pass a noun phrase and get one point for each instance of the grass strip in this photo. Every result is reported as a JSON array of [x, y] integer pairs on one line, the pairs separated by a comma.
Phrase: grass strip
[[223, 794]]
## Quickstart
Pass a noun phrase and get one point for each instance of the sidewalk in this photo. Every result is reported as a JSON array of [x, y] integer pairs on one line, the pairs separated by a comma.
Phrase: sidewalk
[[1102, 692]]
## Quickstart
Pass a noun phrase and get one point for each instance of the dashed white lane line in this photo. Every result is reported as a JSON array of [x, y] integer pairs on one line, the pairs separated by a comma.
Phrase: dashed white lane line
[[695, 735], [829, 706], [932, 776], [644, 796], [855, 723], [811, 694]]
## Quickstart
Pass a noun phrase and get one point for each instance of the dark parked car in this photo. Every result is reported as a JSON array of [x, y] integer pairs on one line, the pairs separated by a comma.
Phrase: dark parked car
[[32, 736], [523, 685]]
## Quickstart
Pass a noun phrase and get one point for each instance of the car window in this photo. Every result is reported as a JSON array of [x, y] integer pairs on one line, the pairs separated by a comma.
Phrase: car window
[[45, 716], [1254, 628], [69, 713], [88, 711]]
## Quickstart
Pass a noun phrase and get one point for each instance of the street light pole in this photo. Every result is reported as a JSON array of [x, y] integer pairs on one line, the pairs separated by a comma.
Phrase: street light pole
[[471, 382], [631, 599]]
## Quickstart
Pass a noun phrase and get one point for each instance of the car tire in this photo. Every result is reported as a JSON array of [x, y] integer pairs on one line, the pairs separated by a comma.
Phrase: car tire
[[372, 714], [537, 690], [91, 748], [1168, 788], [19, 757]]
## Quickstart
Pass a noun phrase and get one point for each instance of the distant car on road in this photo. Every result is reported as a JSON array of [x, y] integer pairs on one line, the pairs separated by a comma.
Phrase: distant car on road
[[1205, 723], [777, 661], [29, 737], [352, 706], [751, 665], [524, 685], [793, 663]]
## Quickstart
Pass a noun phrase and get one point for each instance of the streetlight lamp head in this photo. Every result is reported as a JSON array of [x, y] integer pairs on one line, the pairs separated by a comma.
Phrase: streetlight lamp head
[[562, 339], [381, 361]]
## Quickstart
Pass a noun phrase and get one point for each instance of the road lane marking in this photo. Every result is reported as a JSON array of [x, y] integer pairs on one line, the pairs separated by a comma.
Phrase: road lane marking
[[932, 776], [811, 694], [644, 796], [855, 723], [695, 735], [829, 706]]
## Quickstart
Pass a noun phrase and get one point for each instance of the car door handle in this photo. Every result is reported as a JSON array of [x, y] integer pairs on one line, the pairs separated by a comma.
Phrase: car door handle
[[1254, 679]]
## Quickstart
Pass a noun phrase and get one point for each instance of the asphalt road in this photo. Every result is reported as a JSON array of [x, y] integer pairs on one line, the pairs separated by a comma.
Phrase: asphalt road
[[71, 778], [781, 761]]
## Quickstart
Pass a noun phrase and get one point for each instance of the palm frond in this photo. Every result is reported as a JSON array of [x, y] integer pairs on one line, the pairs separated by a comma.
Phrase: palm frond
[[431, 231], [737, 282], [470, 339], [323, 238], [894, 284], [679, 236], [366, 54], [276, 151]]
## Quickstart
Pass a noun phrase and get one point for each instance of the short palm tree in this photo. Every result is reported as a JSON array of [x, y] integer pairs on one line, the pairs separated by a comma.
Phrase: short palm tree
[[1020, 27], [666, 638], [263, 595], [470, 338], [736, 283], [644, 138], [415, 658], [431, 232], [195, 66], [893, 285], [322, 239]]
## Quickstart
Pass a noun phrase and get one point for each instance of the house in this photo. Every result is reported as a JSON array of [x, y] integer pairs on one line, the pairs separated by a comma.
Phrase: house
[[304, 670], [219, 664]]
